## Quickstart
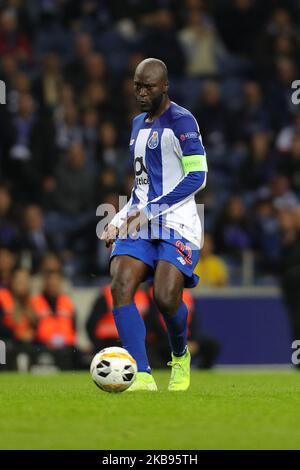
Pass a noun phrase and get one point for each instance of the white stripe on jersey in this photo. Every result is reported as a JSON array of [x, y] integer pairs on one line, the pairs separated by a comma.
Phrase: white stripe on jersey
[[140, 152], [171, 167]]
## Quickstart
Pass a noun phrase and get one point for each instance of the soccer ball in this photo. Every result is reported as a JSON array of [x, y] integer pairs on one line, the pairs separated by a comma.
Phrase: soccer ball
[[113, 369]]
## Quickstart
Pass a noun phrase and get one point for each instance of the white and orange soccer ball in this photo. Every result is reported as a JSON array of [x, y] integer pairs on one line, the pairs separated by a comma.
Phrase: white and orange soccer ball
[[113, 369]]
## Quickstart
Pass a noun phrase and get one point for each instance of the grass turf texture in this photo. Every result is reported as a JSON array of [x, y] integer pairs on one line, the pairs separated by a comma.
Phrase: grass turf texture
[[222, 410]]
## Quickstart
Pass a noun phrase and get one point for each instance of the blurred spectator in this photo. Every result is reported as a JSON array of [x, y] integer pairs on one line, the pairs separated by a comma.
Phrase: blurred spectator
[[95, 68], [280, 93], [55, 314], [67, 126], [35, 240], [9, 68], [290, 164], [259, 167], [75, 70], [266, 236], [277, 40], [51, 262], [96, 86], [17, 319], [281, 193], [203, 48], [214, 119], [286, 47], [242, 19], [20, 85], [107, 183], [71, 201], [233, 232], [90, 121], [66, 100], [47, 86], [74, 186], [254, 116], [111, 155], [8, 228], [12, 40], [211, 269], [280, 22], [95, 95], [159, 39], [8, 262], [32, 158]]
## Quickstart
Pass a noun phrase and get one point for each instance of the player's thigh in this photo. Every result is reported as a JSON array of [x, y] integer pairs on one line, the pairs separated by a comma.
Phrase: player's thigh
[[168, 287], [127, 274]]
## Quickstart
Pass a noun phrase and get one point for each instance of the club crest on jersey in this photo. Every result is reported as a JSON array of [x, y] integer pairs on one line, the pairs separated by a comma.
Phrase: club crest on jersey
[[153, 141]]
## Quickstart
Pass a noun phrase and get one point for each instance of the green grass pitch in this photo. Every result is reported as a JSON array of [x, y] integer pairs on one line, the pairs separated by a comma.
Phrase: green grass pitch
[[245, 409]]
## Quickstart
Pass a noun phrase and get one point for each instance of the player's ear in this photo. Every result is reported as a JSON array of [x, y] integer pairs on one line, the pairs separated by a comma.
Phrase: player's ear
[[166, 87]]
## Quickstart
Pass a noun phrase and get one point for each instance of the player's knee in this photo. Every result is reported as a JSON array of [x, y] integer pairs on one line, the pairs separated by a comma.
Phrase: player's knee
[[122, 290], [167, 300]]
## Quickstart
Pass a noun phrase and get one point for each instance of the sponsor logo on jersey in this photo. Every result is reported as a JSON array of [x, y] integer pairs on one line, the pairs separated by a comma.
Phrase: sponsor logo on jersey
[[131, 142], [140, 171], [153, 141], [188, 135]]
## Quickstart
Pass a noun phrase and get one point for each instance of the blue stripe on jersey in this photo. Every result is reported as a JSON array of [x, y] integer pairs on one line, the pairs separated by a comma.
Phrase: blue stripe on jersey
[[135, 199], [190, 184], [153, 162]]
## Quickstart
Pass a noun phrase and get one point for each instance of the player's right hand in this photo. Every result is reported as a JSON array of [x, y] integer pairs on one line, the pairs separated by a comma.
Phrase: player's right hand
[[109, 235]]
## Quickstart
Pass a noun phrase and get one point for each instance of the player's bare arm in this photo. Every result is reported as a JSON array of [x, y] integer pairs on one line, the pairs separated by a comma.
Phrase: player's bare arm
[[132, 224], [109, 235]]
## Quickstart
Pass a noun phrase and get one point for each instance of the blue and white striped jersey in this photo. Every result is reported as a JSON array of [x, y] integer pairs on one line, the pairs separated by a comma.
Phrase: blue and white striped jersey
[[170, 167]]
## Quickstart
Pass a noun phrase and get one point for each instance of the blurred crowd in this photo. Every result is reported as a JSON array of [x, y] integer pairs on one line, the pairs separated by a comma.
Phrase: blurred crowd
[[65, 128]]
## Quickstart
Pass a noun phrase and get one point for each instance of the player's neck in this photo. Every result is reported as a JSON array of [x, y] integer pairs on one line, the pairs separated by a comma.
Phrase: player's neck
[[165, 104]]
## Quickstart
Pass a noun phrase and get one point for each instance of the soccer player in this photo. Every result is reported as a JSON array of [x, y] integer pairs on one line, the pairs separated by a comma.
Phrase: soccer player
[[161, 222]]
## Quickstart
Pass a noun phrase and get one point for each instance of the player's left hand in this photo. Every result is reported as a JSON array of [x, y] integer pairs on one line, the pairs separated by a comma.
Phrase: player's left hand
[[132, 225], [109, 235]]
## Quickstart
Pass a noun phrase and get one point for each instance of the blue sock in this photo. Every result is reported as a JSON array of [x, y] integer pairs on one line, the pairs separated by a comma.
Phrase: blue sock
[[177, 330], [132, 332]]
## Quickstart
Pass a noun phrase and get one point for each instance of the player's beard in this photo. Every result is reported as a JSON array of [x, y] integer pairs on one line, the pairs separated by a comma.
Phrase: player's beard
[[156, 104]]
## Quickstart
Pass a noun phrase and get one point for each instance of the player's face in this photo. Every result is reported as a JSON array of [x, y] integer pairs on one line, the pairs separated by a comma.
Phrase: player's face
[[149, 92]]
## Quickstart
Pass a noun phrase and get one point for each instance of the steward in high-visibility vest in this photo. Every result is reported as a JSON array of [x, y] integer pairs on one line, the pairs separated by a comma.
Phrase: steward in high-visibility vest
[[17, 318], [55, 314], [101, 326]]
